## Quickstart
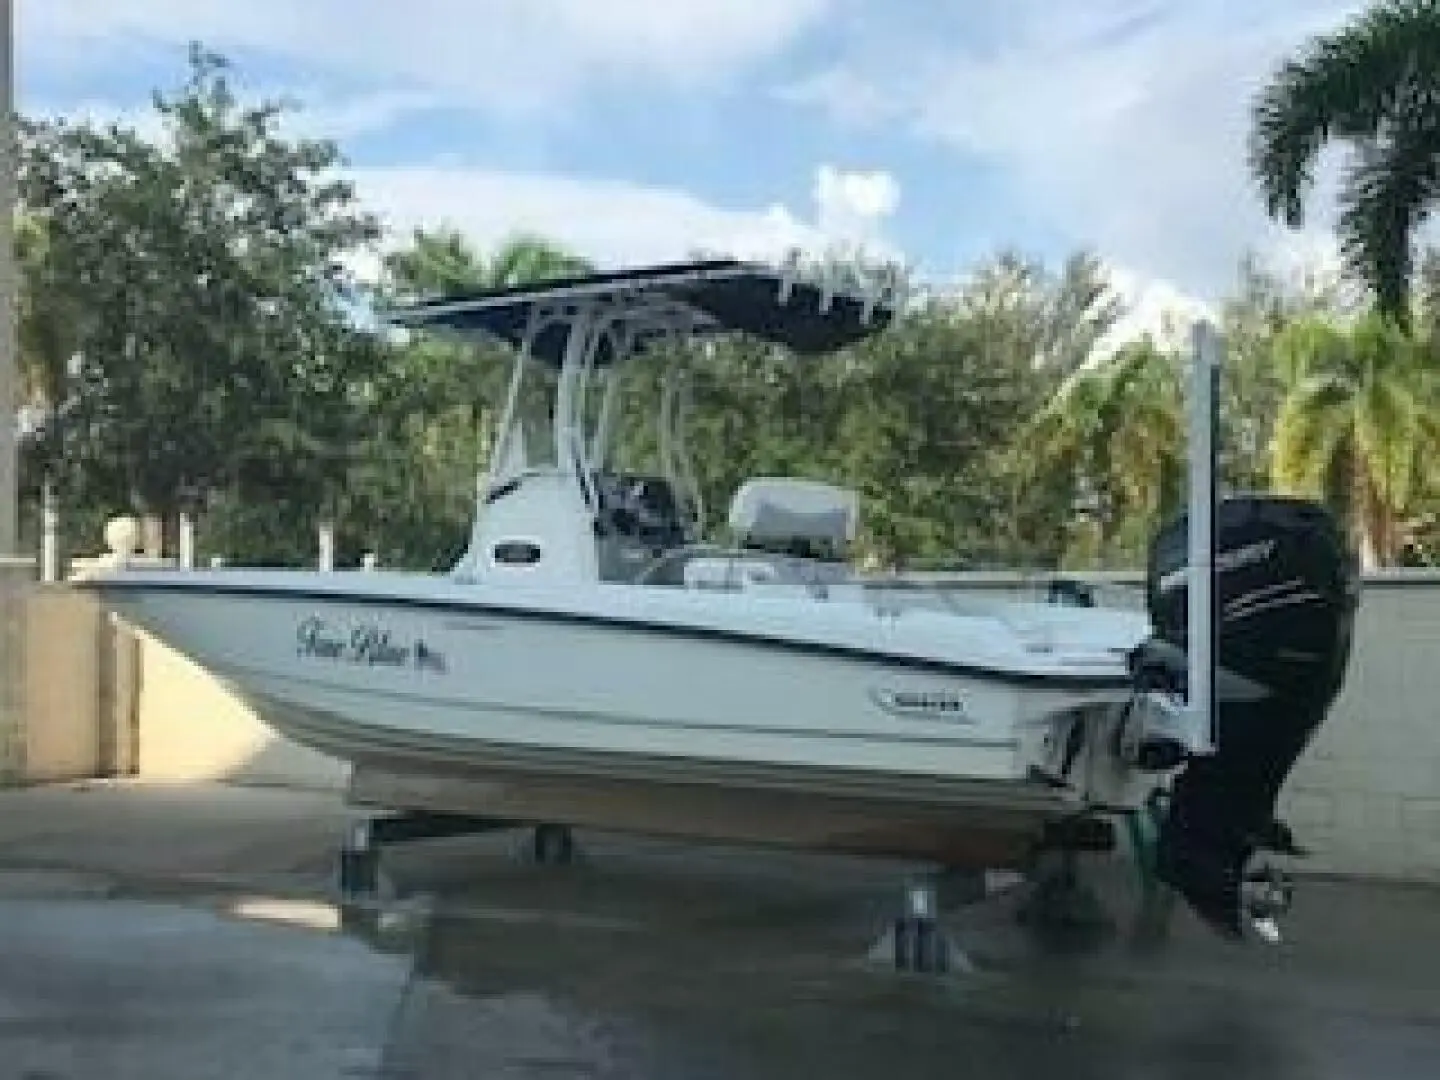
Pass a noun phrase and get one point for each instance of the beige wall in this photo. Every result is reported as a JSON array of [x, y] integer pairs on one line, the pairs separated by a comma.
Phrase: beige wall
[[91, 697], [61, 686], [57, 724], [191, 728]]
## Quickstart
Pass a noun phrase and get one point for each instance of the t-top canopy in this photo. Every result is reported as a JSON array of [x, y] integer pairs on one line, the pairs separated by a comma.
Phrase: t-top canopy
[[703, 297]]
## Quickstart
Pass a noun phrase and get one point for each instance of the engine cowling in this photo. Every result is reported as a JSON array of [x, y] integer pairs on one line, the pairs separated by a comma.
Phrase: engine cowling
[[1286, 592]]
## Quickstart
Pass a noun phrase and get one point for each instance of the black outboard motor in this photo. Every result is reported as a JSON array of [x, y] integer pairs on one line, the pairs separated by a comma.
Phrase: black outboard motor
[[1286, 590]]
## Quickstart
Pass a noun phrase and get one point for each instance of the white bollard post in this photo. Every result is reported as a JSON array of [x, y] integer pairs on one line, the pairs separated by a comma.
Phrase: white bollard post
[[187, 541], [49, 534], [369, 561], [327, 546]]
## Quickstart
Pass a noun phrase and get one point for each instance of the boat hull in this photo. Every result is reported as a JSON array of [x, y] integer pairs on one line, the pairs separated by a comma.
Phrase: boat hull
[[632, 726], [984, 824]]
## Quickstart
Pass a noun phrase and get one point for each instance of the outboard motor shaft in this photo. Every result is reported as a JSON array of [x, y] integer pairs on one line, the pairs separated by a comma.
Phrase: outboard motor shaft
[[1286, 590]]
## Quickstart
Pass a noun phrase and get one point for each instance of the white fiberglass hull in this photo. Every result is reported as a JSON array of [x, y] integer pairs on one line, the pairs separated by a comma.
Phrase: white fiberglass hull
[[422, 676]]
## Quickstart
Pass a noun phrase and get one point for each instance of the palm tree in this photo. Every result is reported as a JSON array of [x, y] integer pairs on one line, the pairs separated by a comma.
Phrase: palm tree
[[444, 261], [1374, 85], [1118, 428], [1357, 426]]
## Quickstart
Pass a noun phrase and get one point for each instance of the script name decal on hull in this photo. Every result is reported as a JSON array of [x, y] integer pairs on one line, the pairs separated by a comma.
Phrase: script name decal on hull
[[364, 643]]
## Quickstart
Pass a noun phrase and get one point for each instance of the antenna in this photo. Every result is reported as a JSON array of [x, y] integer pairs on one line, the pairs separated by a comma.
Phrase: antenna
[[789, 274]]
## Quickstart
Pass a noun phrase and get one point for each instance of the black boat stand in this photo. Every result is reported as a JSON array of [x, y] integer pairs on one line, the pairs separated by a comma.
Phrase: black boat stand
[[914, 941], [359, 863]]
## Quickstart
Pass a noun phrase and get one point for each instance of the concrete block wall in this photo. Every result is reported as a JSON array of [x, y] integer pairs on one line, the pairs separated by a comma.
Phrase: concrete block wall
[[1366, 794]]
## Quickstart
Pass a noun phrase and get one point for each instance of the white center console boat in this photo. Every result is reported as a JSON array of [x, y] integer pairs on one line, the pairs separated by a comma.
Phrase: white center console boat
[[591, 662]]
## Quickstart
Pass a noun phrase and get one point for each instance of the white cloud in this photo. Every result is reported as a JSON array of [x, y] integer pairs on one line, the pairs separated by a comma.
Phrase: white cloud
[[505, 55], [1121, 123], [614, 222], [854, 204], [1153, 307]]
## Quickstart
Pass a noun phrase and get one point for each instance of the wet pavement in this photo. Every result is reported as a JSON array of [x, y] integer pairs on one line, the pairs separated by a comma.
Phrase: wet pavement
[[100, 988], [182, 933]]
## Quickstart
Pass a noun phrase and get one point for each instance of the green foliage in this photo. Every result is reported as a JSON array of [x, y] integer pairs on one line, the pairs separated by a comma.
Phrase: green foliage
[[1116, 431], [1374, 85], [186, 325], [1357, 426], [197, 279], [1252, 385]]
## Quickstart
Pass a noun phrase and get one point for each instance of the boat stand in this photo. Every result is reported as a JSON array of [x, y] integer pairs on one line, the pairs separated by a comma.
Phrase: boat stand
[[1062, 909], [915, 942], [359, 864]]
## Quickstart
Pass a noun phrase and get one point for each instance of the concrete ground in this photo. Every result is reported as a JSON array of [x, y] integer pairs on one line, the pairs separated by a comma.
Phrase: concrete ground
[[185, 932]]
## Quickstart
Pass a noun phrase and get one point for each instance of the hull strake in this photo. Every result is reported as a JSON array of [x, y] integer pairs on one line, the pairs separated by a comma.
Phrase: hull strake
[[955, 821], [785, 743]]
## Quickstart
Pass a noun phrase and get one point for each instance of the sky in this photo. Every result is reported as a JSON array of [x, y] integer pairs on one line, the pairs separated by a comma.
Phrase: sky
[[634, 130]]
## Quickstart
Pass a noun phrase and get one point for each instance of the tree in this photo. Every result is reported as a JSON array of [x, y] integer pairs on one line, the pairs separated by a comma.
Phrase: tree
[[1056, 319], [1357, 426], [46, 318], [1373, 85], [1252, 317], [1115, 431], [444, 263], [1033, 328], [202, 278]]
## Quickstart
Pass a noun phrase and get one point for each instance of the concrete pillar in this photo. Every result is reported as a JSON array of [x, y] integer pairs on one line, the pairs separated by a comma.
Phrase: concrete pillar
[[16, 580]]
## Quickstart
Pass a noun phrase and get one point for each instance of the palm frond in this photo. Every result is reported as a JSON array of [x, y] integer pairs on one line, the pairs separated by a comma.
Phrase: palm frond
[[1346, 85], [1387, 435], [1314, 421], [1386, 196], [1309, 346]]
